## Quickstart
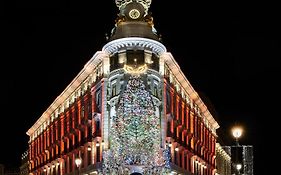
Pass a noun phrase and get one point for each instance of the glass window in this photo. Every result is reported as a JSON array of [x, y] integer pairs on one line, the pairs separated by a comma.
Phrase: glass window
[[113, 90], [98, 100]]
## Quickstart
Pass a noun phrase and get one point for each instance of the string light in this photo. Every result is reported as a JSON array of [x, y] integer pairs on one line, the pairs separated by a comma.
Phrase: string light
[[135, 134]]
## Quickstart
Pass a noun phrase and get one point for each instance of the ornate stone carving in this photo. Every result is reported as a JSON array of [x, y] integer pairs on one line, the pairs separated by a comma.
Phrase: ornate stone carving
[[134, 42], [121, 3]]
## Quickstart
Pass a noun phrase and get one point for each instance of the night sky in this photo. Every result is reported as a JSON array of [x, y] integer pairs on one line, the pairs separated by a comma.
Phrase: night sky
[[230, 53]]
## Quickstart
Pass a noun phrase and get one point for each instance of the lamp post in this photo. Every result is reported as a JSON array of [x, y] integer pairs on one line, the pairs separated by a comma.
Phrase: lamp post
[[237, 133], [78, 162]]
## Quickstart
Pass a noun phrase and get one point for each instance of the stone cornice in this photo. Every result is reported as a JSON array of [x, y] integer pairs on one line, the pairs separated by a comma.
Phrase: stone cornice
[[133, 43], [222, 152], [82, 75], [179, 75]]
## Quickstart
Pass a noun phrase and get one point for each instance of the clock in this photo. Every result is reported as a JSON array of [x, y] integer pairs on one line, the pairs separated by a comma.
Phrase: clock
[[134, 13]]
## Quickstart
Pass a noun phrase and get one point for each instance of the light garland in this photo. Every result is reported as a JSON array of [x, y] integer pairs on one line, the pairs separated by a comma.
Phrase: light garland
[[135, 70]]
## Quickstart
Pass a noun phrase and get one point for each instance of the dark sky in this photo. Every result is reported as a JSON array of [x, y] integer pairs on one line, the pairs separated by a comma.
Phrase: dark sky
[[230, 53]]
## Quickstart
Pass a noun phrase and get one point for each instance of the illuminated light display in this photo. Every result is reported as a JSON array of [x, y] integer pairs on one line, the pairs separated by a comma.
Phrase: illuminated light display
[[135, 70], [135, 133], [134, 43]]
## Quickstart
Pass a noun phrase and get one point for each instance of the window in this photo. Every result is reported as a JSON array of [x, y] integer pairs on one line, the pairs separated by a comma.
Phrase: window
[[179, 110], [155, 87], [114, 62], [180, 161], [82, 111], [168, 127], [185, 161], [97, 126], [98, 154], [135, 57], [54, 169], [89, 109], [168, 102], [70, 163], [89, 157], [155, 91], [113, 90], [98, 100], [175, 157], [82, 156], [154, 62]]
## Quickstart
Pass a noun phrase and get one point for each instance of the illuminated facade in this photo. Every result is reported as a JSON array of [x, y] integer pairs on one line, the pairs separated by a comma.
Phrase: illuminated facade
[[223, 161], [129, 110], [241, 155]]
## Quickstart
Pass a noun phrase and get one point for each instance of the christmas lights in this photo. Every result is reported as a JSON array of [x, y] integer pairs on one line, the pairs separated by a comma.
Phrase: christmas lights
[[135, 135]]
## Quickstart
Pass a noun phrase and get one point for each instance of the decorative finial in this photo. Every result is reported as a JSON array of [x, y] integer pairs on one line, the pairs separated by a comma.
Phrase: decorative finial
[[122, 3]]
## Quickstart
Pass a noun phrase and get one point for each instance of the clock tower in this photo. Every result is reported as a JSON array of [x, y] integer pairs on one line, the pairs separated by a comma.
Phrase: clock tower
[[134, 20]]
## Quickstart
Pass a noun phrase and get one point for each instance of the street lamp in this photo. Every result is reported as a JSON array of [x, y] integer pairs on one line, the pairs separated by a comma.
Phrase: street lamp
[[238, 167], [78, 162], [237, 133]]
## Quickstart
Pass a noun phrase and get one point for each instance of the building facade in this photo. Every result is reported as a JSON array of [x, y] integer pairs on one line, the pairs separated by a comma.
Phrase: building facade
[[242, 159], [24, 167], [223, 161], [129, 110], [8, 171]]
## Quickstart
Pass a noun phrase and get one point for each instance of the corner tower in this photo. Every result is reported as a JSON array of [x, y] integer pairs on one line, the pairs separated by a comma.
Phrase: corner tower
[[135, 142], [134, 20], [129, 110]]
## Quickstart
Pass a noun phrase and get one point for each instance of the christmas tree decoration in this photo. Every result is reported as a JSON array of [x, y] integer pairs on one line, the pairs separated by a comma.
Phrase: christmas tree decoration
[[135, 134]]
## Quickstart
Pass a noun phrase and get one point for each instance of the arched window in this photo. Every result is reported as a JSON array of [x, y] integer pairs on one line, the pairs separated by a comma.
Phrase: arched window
[[97, 125]]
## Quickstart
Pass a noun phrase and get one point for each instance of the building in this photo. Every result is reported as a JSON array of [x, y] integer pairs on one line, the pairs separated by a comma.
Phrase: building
[[242, 159], [12, 172], [24, 167], [8, 171], [223, 161], [130, 110]]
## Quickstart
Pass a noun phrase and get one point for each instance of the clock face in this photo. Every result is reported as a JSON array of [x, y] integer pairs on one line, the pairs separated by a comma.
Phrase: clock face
[[134, 14]]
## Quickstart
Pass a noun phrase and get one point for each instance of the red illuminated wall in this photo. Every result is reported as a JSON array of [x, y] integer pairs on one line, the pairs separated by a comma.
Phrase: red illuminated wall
[[70, 134], [192, 144]]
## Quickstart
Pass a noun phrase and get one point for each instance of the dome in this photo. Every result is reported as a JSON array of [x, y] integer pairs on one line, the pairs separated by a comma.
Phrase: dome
[[134, 20]]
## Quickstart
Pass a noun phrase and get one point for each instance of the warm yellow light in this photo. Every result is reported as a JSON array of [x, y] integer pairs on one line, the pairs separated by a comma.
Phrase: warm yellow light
[[135, 70], [237, 132], [177, 149], [78, 161], [238, 167], [94, 172]]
